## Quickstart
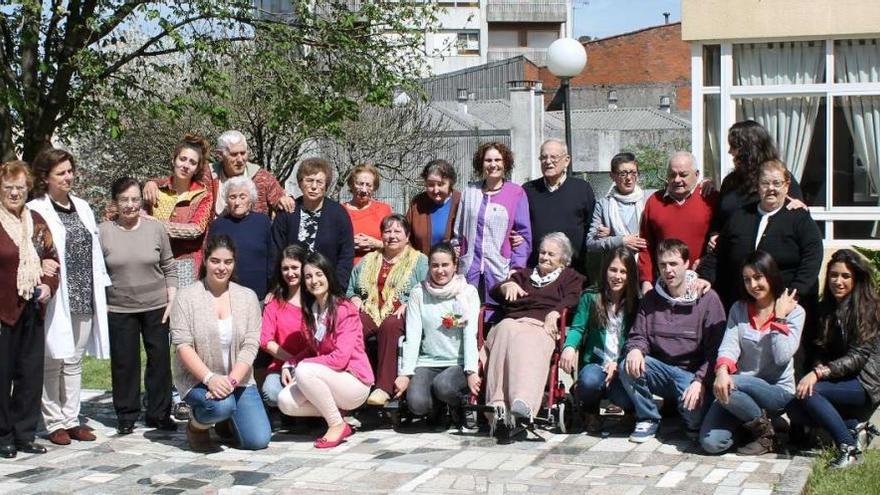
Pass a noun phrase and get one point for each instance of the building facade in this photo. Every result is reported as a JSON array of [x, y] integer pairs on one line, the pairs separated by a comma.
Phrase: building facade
[[808, 71]]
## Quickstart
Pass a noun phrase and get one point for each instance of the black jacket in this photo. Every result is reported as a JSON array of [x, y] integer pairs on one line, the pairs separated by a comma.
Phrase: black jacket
[[847, 358], [335, 238], [791, 237]]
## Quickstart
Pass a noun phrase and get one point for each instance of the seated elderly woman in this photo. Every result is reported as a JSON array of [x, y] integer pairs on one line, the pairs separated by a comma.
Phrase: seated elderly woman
[[520, 346], [250, 231], [379, 287]]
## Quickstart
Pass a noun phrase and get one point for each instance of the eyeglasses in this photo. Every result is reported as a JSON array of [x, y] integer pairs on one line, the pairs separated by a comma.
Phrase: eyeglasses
[[9, 189], [551, 158], [775, 183], [623, 174]]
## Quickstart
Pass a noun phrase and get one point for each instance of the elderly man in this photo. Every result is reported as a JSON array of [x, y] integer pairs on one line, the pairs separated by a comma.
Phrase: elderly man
[[232, 151], [681, 211], [558, 203]]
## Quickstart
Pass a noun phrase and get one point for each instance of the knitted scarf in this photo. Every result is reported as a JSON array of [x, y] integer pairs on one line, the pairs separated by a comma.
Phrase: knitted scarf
[[618, 226], [396, 283], [21, 231], [454, 288]]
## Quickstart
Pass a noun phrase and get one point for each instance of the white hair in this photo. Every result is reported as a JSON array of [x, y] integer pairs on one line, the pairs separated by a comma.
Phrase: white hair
[[230, 138], [683, 154], [562, 241], [236, 183], [557, 141]]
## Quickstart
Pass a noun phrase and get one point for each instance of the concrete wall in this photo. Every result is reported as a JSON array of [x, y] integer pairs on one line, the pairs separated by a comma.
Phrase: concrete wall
[[593, 149], [748, 19], [632, 95]]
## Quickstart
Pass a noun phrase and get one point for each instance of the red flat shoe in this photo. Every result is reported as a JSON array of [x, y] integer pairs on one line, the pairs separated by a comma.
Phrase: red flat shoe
[[323, 443]]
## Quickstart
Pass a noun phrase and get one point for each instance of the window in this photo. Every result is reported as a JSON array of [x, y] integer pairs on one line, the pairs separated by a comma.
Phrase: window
[[820, 101], [468, 43]]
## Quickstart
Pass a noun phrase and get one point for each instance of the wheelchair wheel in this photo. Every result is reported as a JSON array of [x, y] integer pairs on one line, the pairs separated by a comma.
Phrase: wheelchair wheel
[[566, 414]]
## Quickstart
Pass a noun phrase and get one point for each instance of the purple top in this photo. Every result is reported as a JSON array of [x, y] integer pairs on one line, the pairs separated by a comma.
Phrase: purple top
[[483, 227]]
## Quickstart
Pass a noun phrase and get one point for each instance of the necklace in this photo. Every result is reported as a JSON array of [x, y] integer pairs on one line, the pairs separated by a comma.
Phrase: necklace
[[495, 189]]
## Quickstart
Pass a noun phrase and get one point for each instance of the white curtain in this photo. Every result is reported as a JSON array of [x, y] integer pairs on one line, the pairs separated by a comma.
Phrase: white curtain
[[858, 61], [789, 120], [712, 152]]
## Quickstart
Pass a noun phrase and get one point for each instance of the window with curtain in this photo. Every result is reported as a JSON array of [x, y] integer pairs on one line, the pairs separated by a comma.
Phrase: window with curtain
[[858, 61], [791, 119]]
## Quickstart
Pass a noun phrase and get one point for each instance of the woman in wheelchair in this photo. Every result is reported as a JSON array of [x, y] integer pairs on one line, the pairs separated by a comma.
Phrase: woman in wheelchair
[[844, 384], [598, 332], [379, 287], [440, 354], [519, 347], [754, 372]]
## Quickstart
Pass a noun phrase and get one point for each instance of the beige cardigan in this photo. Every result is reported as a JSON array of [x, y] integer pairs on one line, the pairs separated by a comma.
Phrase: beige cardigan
[[193, 323]]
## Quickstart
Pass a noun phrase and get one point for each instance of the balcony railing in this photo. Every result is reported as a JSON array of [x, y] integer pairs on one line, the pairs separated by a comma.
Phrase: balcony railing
[[537, 55], [526, 11]]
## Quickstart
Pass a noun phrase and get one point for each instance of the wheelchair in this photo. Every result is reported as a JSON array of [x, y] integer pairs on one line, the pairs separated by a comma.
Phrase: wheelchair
[[558, 409]]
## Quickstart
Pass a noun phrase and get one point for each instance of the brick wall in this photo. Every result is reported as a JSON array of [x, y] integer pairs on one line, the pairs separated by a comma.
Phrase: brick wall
[[654, 56]]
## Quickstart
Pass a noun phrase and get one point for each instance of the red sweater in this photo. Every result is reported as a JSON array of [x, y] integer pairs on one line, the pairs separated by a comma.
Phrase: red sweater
[[664, 218]]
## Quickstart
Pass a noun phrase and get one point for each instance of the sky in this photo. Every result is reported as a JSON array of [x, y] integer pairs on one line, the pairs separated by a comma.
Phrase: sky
[[602, 18]]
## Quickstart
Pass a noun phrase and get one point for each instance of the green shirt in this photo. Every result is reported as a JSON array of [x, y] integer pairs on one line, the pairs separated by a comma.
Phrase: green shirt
[[587, 337]]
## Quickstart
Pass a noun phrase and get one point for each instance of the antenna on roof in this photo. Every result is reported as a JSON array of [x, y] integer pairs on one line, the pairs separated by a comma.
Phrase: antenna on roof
[[666, 17]]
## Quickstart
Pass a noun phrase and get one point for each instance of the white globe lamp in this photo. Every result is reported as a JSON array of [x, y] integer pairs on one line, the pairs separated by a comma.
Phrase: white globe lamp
[[566, 58]]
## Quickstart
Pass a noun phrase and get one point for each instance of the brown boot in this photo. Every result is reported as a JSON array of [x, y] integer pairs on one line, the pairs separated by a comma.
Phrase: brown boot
[[199, 437], [762, 436]]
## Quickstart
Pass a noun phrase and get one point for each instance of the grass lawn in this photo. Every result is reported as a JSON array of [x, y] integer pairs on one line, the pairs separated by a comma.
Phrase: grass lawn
[[96, 372], [864, 478]]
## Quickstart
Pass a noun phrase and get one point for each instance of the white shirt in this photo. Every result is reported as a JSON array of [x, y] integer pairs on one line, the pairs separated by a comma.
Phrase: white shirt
[[320, 322], [224, 329], [612, 336], [762, 224]]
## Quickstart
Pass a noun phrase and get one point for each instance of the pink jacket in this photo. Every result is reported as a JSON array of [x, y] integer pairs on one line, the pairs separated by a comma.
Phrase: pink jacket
[[343, 348], [283, 324]]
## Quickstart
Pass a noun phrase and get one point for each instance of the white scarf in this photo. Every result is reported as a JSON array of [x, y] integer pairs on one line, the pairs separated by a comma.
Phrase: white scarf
[[690, 295], [540, 281], [454, 288], [618, 226], [21, 231]]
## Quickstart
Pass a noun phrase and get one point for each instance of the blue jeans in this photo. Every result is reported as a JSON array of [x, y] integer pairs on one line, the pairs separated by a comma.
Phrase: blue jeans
[[825, 406], [271, 388], [591, 388], [243, 407], [747, 401], [665, 380]]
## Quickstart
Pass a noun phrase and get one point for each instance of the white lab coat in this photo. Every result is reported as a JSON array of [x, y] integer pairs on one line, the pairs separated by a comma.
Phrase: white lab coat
[[59, 332]]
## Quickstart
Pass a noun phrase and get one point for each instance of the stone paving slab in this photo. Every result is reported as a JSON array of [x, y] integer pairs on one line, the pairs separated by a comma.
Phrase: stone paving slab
[[384, 461]]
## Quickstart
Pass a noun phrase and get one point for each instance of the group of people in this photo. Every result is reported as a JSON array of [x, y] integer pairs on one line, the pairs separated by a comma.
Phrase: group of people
[[275, 302]]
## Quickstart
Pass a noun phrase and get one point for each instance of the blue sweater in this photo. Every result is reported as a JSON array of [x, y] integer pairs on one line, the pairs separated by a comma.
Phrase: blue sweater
[[254, 255]]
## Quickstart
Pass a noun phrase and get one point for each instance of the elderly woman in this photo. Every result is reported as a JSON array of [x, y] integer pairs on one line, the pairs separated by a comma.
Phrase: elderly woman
[[618, 215], [143, 279], [251, 232], [365, 212], [519, 347], [215, 328], [183, 204], [25, 244], [319, 224], [432, 212], [491, 210], [790, 236], [76, 317], [379, 288]]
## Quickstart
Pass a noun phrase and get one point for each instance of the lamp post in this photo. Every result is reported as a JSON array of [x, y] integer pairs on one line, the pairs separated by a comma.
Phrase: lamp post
[[566, 58]]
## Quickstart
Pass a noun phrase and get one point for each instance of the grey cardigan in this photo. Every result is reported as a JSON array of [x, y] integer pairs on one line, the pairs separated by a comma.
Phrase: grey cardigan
[[193, 323]]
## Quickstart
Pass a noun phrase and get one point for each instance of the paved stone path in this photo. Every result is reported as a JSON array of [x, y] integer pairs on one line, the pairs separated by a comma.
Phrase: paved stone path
[[384, 461]]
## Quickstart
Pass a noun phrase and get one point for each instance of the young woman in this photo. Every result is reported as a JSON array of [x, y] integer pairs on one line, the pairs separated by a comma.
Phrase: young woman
[[283, 336], [440, 352], [432, 212], [754, 372], [335, 373], [599, 330], [184, 204], [215, 326], [845, 356]]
